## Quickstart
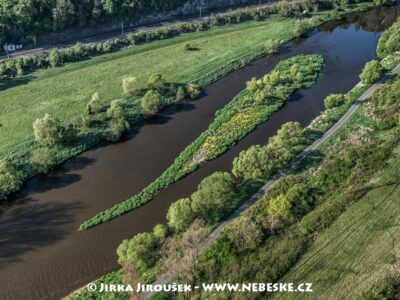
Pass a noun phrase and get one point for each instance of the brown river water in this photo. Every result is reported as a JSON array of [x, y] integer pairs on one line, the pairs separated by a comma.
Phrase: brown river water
[[43, 256]]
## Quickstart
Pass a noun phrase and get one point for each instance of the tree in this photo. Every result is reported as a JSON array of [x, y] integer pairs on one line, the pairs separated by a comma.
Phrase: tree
[[160, 231], [216, 196], [279, 207], [43, 159], [130, 85], [334, 100], [372, 72], [156, 82], [291, 134], [180, 215], [193, 90], [150, 102], [271, 47], [94, 106], [180, 94], [250, 164], [9, 179], [119, 122], [117, 110], [244, 234], [301, 28], [141, 251], [55, 58], [48, 130], [180, 254]]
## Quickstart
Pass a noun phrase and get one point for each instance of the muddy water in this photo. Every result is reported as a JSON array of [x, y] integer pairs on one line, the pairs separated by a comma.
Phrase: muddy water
[[42, 256]]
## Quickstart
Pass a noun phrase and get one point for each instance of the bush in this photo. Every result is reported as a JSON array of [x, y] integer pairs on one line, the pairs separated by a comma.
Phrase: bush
[[48, 130], [9, 179], [116, 111], [301, 28], [116, 128], [372, 72], [193, 90], [271, 47], [156, 82], [150, 102], [334, 100], [55, 58], [130, 85], [43, 159], [94, 106], [180, 94]]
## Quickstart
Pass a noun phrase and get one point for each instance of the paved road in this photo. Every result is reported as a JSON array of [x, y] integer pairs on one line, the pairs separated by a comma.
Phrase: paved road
[[270, 183]]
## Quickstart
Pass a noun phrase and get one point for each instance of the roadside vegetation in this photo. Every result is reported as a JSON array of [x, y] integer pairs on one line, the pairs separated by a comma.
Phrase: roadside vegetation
[[250, 108]]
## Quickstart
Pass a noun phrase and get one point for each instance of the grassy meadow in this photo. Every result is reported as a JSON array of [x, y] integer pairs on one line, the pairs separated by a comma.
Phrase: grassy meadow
[[64, 92]]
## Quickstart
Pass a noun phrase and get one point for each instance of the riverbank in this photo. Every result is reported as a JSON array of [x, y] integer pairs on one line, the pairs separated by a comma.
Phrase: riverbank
[[239, 117], [40, 227], [70, 86]]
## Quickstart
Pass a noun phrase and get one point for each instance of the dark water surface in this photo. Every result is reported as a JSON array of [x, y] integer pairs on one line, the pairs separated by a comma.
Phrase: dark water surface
[[43, 256]]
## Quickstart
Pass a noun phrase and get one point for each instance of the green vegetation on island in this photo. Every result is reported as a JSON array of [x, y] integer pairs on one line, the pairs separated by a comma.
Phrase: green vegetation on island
[[250, 108]]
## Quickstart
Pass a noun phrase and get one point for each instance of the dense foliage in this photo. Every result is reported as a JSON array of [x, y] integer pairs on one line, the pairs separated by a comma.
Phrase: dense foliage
[[372, 72], [389, 42]]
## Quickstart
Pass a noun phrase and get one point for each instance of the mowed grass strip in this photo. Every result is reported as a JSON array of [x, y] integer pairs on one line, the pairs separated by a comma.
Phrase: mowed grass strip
[[360, 248], [64, 92]]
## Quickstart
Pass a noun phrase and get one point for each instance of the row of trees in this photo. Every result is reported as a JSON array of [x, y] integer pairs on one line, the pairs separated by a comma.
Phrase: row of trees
[[215, 198], [20, 66]]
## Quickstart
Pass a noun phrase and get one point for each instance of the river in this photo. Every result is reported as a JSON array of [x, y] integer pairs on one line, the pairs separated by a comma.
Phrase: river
[[43, 256]]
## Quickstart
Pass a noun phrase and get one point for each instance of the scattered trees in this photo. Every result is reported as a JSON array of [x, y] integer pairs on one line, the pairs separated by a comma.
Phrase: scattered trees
[[130, 85], [372, 72], [150, 102]]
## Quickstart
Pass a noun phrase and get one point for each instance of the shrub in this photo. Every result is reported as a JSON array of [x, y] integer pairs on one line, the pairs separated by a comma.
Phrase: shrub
[[193, 90], [180, 94], [116, 110], [334, 100], [156, 82], [116, 128], [43, 159], [48, 130], [55, 58], [130, 85], [271, 47], [9, 179], [372, 72], [301, 28], [150, 102], [94, 106]]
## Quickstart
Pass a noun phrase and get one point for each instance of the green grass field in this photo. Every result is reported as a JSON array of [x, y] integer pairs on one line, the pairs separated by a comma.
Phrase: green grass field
[[360, 247], [64, 92]]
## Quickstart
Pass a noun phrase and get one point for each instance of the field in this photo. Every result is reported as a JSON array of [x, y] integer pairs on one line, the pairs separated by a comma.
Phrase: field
[[360, 248], [64, 92]]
